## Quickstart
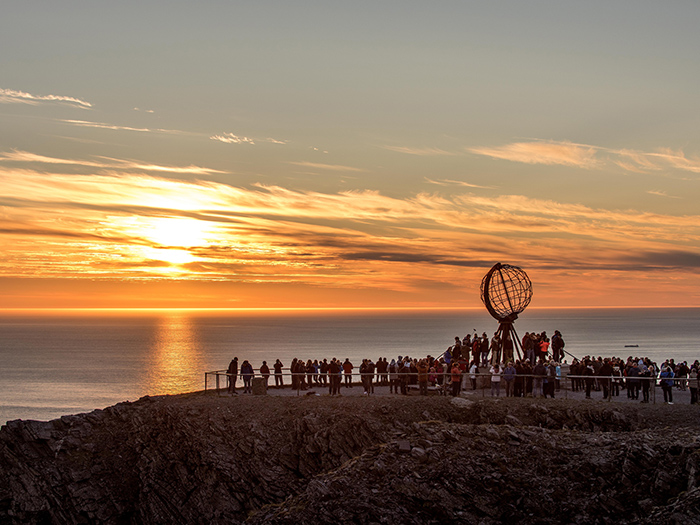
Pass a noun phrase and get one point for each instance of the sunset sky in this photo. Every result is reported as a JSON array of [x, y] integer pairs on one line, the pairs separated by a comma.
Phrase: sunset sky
[[348, 154]]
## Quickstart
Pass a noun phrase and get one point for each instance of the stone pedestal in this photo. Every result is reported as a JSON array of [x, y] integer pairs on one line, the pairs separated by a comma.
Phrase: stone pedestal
[[259, 386]]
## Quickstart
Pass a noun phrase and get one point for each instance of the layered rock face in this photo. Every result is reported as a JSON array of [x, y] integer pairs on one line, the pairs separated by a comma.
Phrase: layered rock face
[[206, 459]]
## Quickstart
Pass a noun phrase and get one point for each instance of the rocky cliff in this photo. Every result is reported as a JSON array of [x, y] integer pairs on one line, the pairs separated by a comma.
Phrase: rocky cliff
[[206, 459]]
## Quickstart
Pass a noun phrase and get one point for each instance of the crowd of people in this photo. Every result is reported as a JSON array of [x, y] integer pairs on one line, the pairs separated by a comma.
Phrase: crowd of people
[[478, 361]]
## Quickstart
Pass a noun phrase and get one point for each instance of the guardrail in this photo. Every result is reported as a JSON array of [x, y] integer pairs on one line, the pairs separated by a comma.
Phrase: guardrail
[[565, 383]]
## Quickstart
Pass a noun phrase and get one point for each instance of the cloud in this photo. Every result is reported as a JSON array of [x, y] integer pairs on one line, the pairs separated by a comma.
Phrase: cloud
[[9, 96], [662, 194], [331, 167], [559, 153], [419, 151], [121, 164], [592, 157], [114, 226], [102, 125], [450, 182], [230, 138]]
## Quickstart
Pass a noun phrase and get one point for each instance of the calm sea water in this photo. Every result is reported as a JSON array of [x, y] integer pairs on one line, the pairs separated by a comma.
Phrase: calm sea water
[[56, 363]]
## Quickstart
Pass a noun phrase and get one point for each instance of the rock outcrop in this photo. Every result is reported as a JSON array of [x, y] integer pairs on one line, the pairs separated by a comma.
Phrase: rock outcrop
[[206, 459]]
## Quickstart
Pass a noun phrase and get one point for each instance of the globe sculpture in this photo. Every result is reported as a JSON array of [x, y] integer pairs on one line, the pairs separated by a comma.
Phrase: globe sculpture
[[506, 291]]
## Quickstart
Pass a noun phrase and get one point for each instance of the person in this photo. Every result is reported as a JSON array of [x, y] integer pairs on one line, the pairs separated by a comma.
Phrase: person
[[666, 377], [633, 381], [456, 376], [540, 373], [495, 349], [232, 375], [393, 377], [693, 384], [247, 375], [423, 377], [617, 379], [558, 346], [495, 372], [323, 369], [605, 373], [265, 372], [645, 376], [347, 368], [549, 381], [404, 372], [334, 370], [279, 382], [589, 373], [457, 349], [473, 370], [509, 377]]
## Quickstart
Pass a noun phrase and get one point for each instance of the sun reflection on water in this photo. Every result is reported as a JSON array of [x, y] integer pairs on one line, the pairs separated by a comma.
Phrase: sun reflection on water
[[177, 365]]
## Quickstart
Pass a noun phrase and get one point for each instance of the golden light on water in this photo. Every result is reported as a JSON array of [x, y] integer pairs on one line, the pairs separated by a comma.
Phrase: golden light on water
[[177, 364]]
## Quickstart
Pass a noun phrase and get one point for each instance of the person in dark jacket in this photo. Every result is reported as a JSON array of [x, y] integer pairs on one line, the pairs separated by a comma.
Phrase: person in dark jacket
[[247, 375], [232, 375]]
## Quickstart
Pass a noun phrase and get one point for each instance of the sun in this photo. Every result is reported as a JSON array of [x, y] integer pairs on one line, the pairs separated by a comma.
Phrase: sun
[[176, 232]]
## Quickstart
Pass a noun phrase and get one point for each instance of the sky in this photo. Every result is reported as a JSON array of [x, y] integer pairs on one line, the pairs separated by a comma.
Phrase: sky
[[302, 154]]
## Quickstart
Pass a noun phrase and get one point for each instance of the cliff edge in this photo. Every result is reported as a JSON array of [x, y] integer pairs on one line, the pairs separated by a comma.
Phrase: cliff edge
[[200, 458]]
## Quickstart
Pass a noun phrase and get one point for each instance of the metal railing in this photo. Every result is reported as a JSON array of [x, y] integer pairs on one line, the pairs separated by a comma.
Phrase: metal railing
[[442, 381]]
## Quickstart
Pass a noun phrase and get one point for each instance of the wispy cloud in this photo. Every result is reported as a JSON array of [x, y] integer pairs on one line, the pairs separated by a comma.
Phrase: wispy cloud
[[10, 96], [588, 156], [662, 194], [425, 152], [330, 167], [106, 163], [561, 153], [450, 182], [102, 125], [230, 138]]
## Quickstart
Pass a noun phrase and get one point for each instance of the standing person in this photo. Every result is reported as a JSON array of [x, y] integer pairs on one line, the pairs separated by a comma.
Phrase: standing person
[[232, 375], [347, 369], [666, 377], [693, 384], [557, 346], [323, 369], [473, 370], [456, 375], [393, 377], [495, 349], [495, 372], [265, 372], [457, 349], [540, 373], [423, 377], [633, 381], [645, 377], [605, 373], [279, 382], [589, 372], [404, 372], [334, 377], [247, 375], [509, 374], [484, 349]]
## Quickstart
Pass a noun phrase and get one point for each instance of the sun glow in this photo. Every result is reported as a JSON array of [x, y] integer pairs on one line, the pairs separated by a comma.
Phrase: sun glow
[[183, 233], [169, 255]]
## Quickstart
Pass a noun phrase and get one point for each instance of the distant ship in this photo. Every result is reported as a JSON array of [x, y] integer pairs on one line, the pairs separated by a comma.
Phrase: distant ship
[[631, 346]]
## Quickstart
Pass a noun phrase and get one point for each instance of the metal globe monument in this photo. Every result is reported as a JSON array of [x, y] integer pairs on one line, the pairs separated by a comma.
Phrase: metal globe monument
[[506, 291]]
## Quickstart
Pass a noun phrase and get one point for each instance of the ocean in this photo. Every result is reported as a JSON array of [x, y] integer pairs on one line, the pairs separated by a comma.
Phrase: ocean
[[64, 362]]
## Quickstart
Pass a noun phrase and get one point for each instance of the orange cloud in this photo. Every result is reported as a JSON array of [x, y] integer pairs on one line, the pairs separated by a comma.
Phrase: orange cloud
[[561, 153]]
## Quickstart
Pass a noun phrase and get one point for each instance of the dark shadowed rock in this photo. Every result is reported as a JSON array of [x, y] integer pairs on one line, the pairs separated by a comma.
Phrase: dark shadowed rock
[[207, 459]]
